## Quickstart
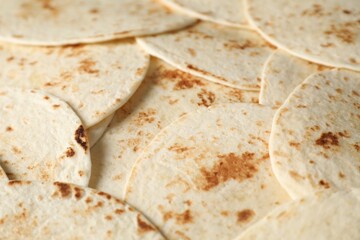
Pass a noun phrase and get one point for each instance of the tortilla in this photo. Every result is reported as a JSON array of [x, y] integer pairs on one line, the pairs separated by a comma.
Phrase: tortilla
[[58, 22], [281, 74], [165, 95], [321, 217], [230, 56], [315, 139], [95, 132], [230, 12], [208, 175], [322, 31], [64, 211], [41, 138], [95, 80], [3, 177]]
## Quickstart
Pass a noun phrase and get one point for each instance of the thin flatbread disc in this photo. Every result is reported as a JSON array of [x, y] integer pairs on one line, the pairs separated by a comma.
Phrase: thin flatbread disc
[[95, 80], [282, 73], [208, 174], [322, 217], [41, 138], [315, 139], [165, 95], [38, 210], [63, 22], [321, 31], [96, 131], [230, 56], [230, 12]]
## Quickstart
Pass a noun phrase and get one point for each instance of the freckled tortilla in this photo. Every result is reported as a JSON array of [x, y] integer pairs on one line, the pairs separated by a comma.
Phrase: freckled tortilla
[[96, 131], [230, 56], [165, 94], [95, 80], [315, 139], [322, 31], [230, 12], [41, 138], [282, 73], [323, 216], [208, 174], [64, 211], [57, 22]]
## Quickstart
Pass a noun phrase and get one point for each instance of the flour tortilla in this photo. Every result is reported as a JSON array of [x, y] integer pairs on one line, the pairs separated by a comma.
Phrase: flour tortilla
[[41, 138], [322, 217], [165, 95], [315, 139], [230, 12], [322, 31], [230, 56], [208, 175], [95, 132], [282, 73], [94, 79], [38, 210], [59, 22]]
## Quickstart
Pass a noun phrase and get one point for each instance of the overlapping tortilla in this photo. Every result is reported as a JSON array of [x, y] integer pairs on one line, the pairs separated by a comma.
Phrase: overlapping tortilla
[[208, 175]]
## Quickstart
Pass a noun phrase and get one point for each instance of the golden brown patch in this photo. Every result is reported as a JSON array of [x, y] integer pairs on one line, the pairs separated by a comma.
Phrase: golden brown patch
[[245, 216], [295, 175], [183, 80], [145, 117], [143, 226], [180, 218], [69, 152], [81, 173], [229, 167], [294, 144], [191, 52], [231, 45], [327, 140], [324, 184], [344, 32], [63, 188], [206, 98], [341, 175], [94, 10], [78, 193], [119, 211], [105, 195], [9, 129], [357, 147], [178, 149], [17, 182], [15, 150], [46, 4], [87, 66], [81, 138]]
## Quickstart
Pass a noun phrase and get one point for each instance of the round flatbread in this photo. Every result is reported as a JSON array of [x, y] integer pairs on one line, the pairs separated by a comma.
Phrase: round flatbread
[[322, 31], [95, 80], [59, 22], [41, 138], [229, 56], [230, 12], [96, 131], [165, 95], [208, 175], [64, 211], [315, 139], [282, 73], [321, 217]]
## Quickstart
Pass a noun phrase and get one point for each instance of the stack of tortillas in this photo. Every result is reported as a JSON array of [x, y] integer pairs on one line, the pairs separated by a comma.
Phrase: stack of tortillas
[[180, 119]]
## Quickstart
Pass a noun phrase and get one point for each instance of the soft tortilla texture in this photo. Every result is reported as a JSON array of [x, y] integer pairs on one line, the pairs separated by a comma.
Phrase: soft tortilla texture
[[322, 217], [63, 22], [322, 31], [230, 56], [230, 12], [96, 131], [38, 210], [282, 73], [208, 175], [315, 139], [165, 95], [41, 138], [95, 80]]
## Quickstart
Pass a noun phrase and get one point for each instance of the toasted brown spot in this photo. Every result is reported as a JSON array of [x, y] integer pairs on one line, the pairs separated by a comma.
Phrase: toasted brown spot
[[17, 182], [294, 144], [46, 98], [229, 167], [9, 59], [180, 218], [346, 11], [145, 117], [143, 226], [93, 10], [15, 150], [192, 52], [224, 213], [327, 140], [178, 149], [9, 129], [341, 175], [119, 211], [81, 138], [357, 147], [343, 32], [107, 196], [87, 66], [184, 80], [69, 152], [108, 217], [352, 60], [295, 175], [245, 215], [81, 173], [206, 98], [88, 200], [324, 184], [78, 193], [314, 10], [63, 188], [231, 45]]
